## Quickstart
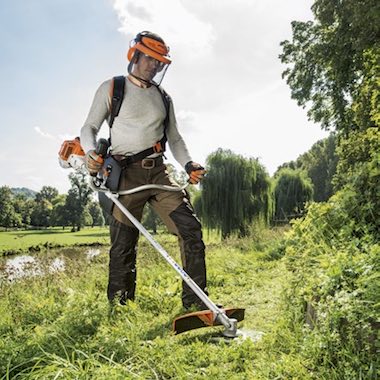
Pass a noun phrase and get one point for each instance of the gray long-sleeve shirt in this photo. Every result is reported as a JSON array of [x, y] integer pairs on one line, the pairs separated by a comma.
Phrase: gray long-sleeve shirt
[[139, 125]]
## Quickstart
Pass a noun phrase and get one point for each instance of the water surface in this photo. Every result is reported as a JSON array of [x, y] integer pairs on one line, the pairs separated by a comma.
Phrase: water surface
[[54, 260]]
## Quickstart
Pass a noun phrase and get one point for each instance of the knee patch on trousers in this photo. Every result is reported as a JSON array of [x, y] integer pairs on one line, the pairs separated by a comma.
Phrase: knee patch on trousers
[[189, 227]]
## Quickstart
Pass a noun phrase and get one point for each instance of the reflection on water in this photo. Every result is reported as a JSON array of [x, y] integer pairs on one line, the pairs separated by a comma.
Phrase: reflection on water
[[21, 266]]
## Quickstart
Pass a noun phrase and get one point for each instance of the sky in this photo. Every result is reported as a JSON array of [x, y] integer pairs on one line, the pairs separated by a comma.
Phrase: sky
[[225, 79]]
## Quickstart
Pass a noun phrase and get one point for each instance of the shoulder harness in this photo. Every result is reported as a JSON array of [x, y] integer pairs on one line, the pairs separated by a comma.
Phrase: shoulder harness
[[117, 96]]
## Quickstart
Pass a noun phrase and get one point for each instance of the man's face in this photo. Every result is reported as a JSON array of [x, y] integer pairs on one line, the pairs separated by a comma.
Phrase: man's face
[[147, 67]]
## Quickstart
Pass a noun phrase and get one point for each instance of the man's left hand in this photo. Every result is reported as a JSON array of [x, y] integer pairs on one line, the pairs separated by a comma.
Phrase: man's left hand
[[195, 171]]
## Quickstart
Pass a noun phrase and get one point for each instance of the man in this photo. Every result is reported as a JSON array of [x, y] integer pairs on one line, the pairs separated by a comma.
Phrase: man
[[143, 125]]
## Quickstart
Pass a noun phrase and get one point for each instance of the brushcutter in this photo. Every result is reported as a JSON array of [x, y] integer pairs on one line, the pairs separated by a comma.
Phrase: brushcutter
[[71, 155]]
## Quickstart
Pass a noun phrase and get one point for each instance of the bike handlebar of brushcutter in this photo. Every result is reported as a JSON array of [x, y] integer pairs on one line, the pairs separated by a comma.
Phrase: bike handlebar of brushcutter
[[101, 188]]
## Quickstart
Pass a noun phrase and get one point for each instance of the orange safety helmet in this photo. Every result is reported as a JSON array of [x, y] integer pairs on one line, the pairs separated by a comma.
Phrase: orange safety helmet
[[151, 44]]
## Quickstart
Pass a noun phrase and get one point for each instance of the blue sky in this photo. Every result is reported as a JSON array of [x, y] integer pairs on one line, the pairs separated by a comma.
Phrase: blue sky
[[225, 78]]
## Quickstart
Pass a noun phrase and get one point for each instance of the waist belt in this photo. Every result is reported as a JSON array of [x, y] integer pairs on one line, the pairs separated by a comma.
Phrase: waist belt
[[159, 147], [145, 163]]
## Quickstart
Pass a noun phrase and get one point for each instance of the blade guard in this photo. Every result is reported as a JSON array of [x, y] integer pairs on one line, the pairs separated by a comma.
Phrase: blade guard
[[204, 318]]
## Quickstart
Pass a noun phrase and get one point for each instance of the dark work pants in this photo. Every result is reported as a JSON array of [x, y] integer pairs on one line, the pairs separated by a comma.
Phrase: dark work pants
[[175, 210]]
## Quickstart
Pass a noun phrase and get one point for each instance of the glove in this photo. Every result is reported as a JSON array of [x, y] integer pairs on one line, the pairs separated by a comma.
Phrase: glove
[[93, 162], [195, 172]]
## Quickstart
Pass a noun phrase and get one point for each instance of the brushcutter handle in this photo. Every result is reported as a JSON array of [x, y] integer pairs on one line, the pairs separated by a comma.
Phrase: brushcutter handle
[[95, 158], [102, 147]]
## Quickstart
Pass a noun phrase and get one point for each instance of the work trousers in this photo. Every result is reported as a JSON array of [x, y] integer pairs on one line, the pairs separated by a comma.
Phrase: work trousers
[[176, 212]]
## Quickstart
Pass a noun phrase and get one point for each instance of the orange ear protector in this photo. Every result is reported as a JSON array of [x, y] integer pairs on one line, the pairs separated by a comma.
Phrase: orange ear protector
[[150, 46]]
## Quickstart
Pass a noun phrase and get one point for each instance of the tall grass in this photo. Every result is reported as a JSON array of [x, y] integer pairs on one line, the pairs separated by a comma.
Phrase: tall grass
[[60, 326]]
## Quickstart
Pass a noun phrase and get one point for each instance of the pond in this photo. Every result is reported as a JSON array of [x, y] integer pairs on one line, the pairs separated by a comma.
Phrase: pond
[[25, 265]]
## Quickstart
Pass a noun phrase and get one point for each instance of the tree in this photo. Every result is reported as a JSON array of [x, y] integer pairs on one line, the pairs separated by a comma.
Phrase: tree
[[24, 207], [8, 216], [358, 173], [235, 191], [320, 165], [41, 213], [77, 199], [59, 215], [333, 63], [150, 219], [48, 193], [291, 192], [96, 214]]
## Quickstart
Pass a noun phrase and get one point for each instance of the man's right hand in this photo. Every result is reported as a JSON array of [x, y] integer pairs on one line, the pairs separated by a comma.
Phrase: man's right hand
[[93, 162]]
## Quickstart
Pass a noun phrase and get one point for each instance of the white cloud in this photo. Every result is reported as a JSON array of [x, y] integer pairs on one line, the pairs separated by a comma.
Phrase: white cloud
[[170, 19], [44, 134], [187, 120]]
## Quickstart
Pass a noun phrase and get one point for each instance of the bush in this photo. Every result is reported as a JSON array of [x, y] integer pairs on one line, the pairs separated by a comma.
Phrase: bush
[[335, 262]]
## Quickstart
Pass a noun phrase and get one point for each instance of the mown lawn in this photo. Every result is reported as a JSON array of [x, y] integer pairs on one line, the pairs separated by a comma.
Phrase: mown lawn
[[22, 241], [60, 326]]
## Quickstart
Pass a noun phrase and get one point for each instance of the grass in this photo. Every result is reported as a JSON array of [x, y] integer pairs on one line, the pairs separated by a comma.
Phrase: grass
[[22, 241], [60, 327]]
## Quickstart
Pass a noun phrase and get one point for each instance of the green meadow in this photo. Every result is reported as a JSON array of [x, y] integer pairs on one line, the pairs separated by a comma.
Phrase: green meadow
[[23, 241]]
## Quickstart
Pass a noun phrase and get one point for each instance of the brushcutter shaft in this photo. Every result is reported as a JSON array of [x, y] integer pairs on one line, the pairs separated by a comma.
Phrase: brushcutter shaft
[[229, 324]]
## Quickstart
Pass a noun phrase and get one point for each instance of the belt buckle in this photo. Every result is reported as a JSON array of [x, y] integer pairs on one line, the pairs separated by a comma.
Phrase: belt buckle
[[148, 163]]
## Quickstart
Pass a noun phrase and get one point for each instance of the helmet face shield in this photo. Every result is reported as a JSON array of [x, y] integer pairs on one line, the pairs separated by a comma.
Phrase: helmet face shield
[[149, 58], [147, 69]]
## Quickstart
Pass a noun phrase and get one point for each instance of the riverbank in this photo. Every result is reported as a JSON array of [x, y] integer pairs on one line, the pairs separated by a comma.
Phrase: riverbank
[[27, 241]]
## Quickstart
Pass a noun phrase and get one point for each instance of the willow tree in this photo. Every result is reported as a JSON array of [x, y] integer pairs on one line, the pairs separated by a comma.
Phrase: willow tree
[[293, 188], [235, 191]]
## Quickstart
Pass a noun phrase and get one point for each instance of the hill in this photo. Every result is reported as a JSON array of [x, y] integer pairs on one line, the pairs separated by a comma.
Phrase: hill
[[29, 193]]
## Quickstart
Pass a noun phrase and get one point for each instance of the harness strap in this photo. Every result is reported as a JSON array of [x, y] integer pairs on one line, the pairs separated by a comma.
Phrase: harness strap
[[117, 96]]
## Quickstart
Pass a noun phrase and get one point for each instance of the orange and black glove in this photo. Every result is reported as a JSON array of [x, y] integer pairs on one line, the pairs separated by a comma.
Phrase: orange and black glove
[[195, 171], [93, 162]]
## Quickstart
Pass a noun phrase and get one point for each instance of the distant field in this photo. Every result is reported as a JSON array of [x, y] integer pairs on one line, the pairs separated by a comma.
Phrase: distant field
[[33, 240]]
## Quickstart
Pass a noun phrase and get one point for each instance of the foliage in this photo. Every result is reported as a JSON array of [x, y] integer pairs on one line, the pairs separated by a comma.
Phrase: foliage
[[331, 63], [48, 208], [59, 215], [23, 206], [366, 104], [41, 213], [150, 219], [8, 215], [333, 253], [47, 193], [320, 164], [358, 173], [235, 191], [77, 199], [96, 214], [333, 288], [292, 190]]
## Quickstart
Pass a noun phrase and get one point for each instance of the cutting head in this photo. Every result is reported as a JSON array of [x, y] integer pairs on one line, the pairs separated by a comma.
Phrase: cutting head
[[204, 318]]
